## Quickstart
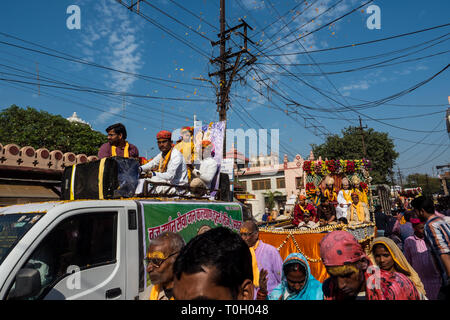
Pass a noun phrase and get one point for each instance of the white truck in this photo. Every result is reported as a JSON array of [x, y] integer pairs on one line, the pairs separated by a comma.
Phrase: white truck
[[93, 249]]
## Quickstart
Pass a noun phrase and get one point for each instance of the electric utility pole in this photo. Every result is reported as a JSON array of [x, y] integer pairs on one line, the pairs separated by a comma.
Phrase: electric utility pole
[[362, 137], [228, 71]]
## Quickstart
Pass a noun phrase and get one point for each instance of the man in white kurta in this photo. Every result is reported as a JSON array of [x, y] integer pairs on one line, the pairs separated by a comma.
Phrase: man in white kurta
[[168, 166], [203, 177]]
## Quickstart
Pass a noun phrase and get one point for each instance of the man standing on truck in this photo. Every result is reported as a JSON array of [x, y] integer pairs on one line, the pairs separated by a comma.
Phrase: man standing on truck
[[117, 144], [167, 167], [161, 254]]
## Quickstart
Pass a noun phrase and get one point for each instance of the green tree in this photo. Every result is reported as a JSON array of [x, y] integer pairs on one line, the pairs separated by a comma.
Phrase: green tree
[[270, 198], [428, 184], [40, 129], [380, 150]]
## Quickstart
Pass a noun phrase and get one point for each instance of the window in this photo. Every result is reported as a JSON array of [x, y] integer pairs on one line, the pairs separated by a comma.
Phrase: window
[[299, 182], [261, 184], [281, 184], [85, 240]]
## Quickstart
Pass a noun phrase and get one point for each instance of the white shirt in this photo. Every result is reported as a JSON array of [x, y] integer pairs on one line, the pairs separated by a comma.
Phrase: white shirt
[[207, 171], [176, 172]]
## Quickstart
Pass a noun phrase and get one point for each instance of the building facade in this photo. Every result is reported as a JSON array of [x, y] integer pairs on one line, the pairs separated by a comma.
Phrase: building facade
[[265, 175]]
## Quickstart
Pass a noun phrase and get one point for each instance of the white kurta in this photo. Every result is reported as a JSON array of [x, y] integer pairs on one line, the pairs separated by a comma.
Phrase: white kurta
[[207, 171], [176, 173], [342, 212]]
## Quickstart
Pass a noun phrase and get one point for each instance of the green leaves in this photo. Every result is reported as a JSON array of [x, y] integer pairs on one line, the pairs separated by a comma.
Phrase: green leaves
[[380, 150], [41, 129]]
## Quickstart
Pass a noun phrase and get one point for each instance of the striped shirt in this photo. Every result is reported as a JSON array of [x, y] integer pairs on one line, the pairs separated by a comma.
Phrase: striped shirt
[[437, 232]]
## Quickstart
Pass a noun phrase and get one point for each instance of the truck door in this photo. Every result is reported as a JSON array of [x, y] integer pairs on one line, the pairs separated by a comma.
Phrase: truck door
[[82, 256]]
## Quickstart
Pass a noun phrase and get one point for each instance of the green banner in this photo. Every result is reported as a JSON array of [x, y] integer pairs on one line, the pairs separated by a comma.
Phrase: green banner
[[187, 218]]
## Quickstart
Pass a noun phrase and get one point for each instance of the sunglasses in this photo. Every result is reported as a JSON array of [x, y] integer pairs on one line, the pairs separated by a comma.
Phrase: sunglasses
[[157, 262]]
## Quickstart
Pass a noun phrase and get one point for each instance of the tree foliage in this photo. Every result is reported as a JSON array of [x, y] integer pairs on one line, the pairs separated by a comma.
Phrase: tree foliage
[[270, 198], [428, 184], [40, 129], [380, 150]]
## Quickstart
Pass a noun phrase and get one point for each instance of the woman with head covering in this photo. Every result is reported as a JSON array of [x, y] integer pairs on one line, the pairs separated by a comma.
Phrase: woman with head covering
[[297, 282], [354, 277], [388, 256]]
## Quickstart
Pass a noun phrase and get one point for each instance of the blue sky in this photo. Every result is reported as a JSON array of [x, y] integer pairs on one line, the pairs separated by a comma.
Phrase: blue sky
[[114, 37]]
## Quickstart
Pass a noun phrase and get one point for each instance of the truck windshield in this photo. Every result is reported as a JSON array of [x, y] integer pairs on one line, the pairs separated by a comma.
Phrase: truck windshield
[[12, 229]]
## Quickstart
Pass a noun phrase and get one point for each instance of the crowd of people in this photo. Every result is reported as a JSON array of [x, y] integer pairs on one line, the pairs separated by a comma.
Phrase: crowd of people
[[409, 259], [173, 169], [221, 264]]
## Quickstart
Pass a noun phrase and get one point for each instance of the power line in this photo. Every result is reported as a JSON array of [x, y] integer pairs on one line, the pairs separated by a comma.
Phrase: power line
[[320, 28], [308, 22], [85, 62], [361, 43], [360, 59]]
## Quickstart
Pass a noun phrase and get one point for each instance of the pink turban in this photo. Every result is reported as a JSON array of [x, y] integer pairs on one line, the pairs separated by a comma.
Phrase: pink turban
[[340, 247]]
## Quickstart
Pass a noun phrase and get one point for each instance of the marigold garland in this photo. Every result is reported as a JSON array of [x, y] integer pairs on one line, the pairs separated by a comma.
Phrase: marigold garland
[[335, 166]]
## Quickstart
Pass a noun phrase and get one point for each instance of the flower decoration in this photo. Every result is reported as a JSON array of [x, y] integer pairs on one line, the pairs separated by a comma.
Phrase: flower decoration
[[364, 187], [310, 189], [307, 167]]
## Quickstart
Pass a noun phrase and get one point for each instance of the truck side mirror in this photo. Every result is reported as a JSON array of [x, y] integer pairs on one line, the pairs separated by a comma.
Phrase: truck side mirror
[[28, 284]]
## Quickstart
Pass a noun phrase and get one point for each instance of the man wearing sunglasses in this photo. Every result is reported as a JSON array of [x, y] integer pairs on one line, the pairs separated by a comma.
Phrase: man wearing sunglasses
[[161, 254]]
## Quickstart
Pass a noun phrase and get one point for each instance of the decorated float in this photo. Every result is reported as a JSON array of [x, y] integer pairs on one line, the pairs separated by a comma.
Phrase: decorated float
[[326, 176]]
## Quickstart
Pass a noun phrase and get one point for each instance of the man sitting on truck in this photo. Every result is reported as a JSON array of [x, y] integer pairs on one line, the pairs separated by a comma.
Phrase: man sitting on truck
[[167, 167], [203, 177], [117, 144], [161, 254]]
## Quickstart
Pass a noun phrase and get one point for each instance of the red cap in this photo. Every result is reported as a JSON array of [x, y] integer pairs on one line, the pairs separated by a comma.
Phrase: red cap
[[340, 247], [164, 134]]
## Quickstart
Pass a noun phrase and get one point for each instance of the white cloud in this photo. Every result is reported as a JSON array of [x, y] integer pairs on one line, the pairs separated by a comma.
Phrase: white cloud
[[362, 85], [113, 40]]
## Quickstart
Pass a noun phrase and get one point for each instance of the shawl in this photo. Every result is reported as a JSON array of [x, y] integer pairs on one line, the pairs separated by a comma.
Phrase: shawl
[[392, 286], [400, 259], [164, 161], [331, 195], [359, 212], [154, 293], [254, 267], [312, 290], [126, 154]]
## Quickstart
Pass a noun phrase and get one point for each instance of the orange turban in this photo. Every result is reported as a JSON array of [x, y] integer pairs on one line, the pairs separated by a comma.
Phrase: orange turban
[[164, 134], [301, 197], [206, 143]]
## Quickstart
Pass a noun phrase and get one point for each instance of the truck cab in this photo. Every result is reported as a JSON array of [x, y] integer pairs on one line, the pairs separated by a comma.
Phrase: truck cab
[[94, 249]]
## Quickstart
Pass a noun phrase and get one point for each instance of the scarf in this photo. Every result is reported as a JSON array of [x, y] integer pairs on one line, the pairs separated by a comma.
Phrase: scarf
[[401, 262], [126, 154], [164, 161], [347, 195], [154, 294], [392, 286], [331, 195], [312, 290], [317, 201], [254, 267], [359, 211]]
